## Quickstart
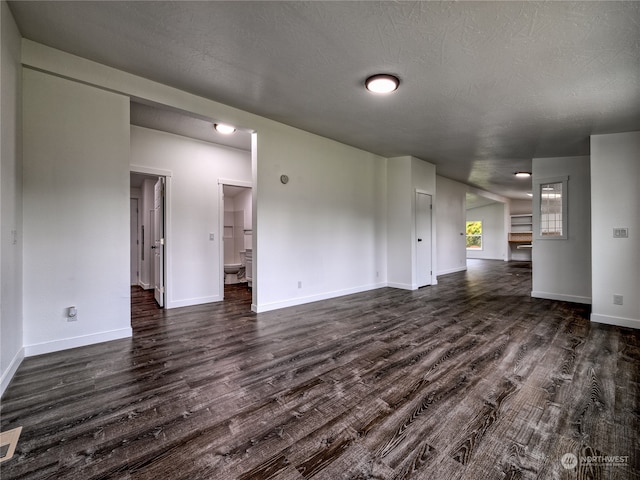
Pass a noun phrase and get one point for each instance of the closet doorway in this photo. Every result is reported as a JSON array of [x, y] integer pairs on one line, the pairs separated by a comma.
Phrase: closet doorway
[[148, 233]]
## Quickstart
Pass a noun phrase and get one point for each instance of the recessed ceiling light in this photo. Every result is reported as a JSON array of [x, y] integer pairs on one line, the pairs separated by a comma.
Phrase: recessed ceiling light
[[523, 174], [224, 129], [382, 83]]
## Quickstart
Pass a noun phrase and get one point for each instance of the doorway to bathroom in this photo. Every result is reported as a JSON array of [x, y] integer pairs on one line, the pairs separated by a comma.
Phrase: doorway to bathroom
[[237, 239]]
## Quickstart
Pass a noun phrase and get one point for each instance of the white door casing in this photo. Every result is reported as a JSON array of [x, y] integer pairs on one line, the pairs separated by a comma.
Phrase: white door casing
[[423, 239]]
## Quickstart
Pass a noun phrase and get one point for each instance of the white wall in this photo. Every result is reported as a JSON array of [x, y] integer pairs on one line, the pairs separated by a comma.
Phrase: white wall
[[423, 178], [326, 228], [450, 220], [562, 268], [244, 202], [405, 175], [399, 223], [615, 202], [494, 236], [520, 207], [76, 213], [194, 271], [147, 204], [11, 351], [318, 235]]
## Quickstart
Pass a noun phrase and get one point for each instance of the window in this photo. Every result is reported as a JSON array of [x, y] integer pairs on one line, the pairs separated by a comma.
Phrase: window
[[474, 235], [552, 208]]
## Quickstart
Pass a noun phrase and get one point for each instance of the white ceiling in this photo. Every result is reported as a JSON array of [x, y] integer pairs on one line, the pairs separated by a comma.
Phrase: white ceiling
[[486, 86], [185, 124]]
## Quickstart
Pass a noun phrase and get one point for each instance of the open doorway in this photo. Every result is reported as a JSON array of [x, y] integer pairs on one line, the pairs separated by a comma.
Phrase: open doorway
[[195, 158], [148, 226], [237, 239]]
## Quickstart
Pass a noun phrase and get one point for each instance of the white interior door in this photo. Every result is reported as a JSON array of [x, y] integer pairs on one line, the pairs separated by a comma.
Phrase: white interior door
[[423, 239], [158, 241]]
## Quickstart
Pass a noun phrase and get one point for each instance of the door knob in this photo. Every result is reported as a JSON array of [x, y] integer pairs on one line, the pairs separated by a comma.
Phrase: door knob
[[419, 239]]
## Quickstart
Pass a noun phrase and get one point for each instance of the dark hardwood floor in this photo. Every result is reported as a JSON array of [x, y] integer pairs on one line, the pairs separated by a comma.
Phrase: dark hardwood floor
[[467, 379]]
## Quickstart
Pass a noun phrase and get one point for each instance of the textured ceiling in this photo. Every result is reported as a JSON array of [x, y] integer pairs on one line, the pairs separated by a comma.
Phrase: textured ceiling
[[182, 123], [486, 86]]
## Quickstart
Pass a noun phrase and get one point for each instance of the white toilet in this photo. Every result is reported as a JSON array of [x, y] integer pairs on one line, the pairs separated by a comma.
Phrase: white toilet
[[231, 271], [232, 268]]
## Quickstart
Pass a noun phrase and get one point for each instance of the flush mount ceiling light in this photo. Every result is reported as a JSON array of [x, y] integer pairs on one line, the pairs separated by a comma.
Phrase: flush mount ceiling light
[[224, 129], [523, 174], [382, 83]]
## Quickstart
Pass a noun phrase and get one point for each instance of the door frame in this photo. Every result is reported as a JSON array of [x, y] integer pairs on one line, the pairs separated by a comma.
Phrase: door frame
[[138, 216], [432, 278], [168, 264], [221, 183]]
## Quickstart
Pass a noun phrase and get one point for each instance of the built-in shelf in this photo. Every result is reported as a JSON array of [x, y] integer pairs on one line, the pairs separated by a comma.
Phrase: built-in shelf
[[521, 229], [521, 236]]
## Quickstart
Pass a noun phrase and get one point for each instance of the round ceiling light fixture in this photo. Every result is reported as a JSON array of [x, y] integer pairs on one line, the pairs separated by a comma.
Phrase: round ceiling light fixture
[[522, 174], [224, 129], [382, 83]]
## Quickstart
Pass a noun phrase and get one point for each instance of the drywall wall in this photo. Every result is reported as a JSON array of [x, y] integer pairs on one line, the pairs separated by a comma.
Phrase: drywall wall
[[494, 236], [520, 207], [76, 213], [399, 223], [11, 351], [324, 230], [449, 215], [615, 203], [423, 179], [146, 260], [562, 267], [317, 235], [405, 176], [194, 265]]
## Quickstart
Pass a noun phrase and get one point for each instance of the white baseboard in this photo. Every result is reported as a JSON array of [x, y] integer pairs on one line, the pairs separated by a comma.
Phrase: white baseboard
[[145, 286], [192, 301], [561, 297], [402, 286], [313, 298], [617, 321], [452, 270], [8, 374], [66, 343]]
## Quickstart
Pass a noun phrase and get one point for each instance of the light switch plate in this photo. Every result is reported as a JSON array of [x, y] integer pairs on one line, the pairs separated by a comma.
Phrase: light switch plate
[[620, 232]]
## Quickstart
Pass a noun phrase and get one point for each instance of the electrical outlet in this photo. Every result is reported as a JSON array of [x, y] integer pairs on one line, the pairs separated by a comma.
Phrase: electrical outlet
[[618, 299], [299, 284]]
